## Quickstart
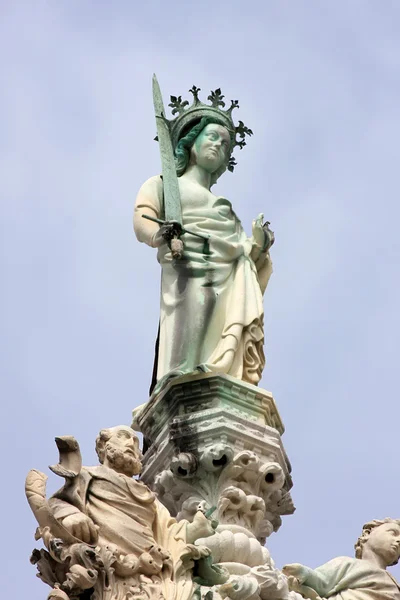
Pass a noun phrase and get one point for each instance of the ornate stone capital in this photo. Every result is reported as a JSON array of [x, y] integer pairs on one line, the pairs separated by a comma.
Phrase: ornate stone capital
[[214, 441]]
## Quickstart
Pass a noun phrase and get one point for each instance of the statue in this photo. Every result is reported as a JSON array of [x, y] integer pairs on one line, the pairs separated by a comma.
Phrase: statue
[[106, 531], [214, 279], [362, 578]]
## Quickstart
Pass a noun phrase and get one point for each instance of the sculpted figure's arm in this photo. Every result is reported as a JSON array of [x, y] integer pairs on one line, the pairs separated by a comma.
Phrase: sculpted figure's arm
[[262, 240], [323, 579], [305, 576], [74, 521], [149, 202]]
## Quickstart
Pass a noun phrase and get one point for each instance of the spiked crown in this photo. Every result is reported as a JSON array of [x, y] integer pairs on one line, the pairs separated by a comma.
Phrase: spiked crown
[[188, 116]]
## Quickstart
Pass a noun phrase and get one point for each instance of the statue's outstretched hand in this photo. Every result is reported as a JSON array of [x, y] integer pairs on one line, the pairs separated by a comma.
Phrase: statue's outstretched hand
[[82, 527], [296, 574], [296, 570], [258, 233], [262, 234]]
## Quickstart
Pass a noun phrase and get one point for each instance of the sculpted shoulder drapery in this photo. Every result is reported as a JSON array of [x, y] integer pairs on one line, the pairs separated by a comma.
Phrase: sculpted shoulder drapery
[[211, 316], [362, 578], [103, 526]]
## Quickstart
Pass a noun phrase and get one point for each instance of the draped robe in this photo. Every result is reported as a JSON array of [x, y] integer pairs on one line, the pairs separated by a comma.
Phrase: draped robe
[[211, 299], [345, 578], [130, 517]]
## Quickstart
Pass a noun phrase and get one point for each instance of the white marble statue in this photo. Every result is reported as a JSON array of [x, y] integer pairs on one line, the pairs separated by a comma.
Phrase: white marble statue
[[104, 508], [211, 298], [362, 578]]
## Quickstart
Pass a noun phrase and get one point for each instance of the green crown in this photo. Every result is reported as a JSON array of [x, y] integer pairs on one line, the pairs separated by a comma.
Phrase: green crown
[[188, 117]]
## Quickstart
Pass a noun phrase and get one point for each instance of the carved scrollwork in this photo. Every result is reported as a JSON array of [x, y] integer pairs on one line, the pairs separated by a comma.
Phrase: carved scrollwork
[[240, 588], [215, 457], [95, 550], [236, 546], [71, 569], [246, 490], [263, 582], [184, 465], [239, 508]]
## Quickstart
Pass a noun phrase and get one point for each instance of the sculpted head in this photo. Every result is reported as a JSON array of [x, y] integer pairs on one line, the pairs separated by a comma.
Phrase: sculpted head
[[118, 448], [382, 538], [208, 145]]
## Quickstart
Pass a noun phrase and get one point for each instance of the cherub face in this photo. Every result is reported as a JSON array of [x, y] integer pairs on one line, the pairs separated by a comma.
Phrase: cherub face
[[384, 541]]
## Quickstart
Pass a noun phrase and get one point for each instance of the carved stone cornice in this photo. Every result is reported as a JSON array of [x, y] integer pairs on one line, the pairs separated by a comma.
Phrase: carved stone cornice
[[193, 393]]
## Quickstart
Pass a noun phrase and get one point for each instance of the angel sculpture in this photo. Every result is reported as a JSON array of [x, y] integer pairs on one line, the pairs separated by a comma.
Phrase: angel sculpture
[[362, 578]]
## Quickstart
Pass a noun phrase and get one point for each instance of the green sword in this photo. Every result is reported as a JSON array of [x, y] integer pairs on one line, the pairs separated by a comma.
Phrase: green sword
[[172, 197]]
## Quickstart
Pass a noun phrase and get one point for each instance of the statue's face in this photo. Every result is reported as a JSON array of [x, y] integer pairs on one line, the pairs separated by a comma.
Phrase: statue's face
[[122, 451], [384, 541], [211, 147]]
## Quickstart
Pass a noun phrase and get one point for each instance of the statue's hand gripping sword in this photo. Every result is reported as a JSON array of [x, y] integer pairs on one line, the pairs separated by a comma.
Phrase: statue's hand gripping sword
[[172, 198]]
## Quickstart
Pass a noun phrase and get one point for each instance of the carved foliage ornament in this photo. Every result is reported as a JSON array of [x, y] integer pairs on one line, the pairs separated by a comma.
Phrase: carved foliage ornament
[[245, 490]]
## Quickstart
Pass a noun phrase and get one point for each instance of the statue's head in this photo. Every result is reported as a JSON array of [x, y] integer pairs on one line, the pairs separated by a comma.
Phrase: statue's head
[[382, 538], [118, 448], [191, 128], [208, 145]]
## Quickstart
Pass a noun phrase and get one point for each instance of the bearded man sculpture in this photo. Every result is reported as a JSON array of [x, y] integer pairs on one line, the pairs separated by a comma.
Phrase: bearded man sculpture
[[362, 578], [102, 517], [211, 297]]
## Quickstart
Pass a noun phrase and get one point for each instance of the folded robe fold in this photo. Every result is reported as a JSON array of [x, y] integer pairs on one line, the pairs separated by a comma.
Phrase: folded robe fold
[[211, 300], [345, 578]]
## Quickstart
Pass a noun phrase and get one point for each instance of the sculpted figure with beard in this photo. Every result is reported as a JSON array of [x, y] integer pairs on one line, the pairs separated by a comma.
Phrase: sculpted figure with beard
[[104, 505]]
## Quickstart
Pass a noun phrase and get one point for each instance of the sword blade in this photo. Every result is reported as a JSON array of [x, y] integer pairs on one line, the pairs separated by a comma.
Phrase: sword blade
[[172, 198]]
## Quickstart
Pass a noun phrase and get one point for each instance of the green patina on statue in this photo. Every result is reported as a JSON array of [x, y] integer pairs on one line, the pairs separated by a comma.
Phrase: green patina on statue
[[213, 279]]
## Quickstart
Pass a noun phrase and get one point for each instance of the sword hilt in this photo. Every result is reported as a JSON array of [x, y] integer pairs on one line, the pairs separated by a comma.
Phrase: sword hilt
[[183, 229], [174, 238], [176, 246]]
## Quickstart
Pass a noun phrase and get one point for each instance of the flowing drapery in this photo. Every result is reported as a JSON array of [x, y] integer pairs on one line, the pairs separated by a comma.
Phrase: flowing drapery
[[211, 315]]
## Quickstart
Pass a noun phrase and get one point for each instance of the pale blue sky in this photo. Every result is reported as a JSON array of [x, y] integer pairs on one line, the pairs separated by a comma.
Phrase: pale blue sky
[[318, 82]]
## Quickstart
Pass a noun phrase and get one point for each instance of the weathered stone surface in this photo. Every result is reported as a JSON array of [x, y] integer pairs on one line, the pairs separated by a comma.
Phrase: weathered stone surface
[[216, 441], [212, 314], [106, 532], [190, 394]]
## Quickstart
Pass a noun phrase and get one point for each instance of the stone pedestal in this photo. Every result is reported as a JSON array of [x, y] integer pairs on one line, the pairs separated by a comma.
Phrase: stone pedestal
[[215, 441]]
